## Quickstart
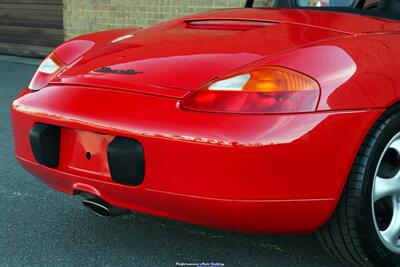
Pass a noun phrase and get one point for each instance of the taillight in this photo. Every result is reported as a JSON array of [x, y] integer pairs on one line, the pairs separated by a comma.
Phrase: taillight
[[47, 71], [267, 89]]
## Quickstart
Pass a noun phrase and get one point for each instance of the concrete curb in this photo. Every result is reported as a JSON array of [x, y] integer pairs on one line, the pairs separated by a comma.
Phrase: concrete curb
[[22, 60]]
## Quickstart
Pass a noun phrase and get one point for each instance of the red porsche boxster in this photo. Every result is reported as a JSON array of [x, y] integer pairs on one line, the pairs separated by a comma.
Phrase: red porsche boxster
[[275, 120]]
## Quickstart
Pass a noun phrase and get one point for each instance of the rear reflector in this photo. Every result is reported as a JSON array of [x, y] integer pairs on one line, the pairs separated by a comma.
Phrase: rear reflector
[[126, 161]]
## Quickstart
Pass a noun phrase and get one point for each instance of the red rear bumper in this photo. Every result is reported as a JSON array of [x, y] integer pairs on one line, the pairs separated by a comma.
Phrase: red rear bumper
[[267, 173], [242, 215]]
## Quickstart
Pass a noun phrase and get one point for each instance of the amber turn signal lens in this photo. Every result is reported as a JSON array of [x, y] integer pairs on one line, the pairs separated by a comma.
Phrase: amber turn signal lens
[[269, 89], [276, 79]]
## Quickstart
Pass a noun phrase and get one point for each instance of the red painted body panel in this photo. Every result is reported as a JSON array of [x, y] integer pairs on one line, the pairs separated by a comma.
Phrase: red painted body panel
[[231, 159], [334, 21], [354, 73], [237, 171], [173, 55]]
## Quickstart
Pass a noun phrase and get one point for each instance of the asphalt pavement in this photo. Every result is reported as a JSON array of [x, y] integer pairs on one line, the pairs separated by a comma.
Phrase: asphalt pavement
[[42, 227]]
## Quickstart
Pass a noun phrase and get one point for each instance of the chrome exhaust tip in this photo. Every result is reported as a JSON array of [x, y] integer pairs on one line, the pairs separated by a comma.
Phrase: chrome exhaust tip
[[102, 208]]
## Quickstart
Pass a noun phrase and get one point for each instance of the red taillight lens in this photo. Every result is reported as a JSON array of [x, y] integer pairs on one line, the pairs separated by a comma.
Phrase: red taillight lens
[[47, 71], [265, 90]]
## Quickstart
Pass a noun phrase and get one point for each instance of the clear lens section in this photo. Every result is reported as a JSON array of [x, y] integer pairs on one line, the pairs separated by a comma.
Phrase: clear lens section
[[47, 71], [48, 66], [232, 84]]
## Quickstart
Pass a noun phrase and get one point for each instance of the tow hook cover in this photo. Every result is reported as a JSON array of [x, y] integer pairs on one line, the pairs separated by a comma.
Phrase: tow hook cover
[[45, 143], [126, 161]]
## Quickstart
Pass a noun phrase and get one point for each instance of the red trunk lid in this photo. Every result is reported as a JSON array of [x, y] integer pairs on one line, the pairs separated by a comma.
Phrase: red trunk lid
[[186, 53]]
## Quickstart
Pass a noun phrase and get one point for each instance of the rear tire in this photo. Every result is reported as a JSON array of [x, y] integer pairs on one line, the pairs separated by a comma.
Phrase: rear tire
[[356, 233]]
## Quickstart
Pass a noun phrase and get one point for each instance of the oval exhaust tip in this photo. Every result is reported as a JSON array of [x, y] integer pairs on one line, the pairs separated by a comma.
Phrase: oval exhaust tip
[[97, 208], [102, 208]]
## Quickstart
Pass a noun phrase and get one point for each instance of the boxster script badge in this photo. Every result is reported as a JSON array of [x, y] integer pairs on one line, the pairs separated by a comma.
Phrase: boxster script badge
[[109, 70]]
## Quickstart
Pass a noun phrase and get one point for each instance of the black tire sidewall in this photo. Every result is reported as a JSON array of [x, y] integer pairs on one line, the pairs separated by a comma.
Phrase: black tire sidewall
[[383, 132]]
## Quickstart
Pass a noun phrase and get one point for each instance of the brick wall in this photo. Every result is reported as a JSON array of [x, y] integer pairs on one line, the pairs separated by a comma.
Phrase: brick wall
[[82, 16]]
